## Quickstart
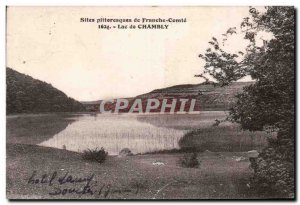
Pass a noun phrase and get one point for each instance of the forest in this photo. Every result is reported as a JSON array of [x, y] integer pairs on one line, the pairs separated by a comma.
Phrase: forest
[[28, 95]]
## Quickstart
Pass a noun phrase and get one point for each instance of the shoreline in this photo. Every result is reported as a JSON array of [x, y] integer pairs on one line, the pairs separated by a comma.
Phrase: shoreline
[[98, 113]]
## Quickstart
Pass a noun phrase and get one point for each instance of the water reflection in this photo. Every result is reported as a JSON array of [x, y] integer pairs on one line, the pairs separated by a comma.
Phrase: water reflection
[[34, 129], [184, 121], [115, 132], [146, 133]]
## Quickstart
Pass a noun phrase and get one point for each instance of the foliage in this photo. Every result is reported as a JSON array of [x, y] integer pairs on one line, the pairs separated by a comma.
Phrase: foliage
[[189, 160], [228, 138], [28, 95], [270, 101], [95, 155], [273, 175]]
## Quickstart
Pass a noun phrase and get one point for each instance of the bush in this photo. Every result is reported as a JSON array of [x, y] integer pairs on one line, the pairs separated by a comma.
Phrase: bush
[[95, 155], [273, 175], [189, 160], [274, 171]]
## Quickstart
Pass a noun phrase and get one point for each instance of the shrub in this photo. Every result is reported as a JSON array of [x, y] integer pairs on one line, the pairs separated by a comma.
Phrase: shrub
[[125, 152], [189, 160], [273, 175], [274, 171], [95, 155]]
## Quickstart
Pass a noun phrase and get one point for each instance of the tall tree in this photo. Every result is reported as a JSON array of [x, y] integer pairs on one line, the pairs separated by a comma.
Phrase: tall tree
[[270, 102]]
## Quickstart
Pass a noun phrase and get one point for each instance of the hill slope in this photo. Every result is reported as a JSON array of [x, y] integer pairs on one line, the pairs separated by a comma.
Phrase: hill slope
[[28, 95], [208, 96]]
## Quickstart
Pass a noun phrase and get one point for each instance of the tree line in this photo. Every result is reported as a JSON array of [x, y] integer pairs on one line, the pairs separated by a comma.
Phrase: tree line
[[25, 94]]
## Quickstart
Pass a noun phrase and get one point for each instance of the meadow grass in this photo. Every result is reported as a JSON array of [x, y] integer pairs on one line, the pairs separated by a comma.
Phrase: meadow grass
[[218, 177], [224, 139]]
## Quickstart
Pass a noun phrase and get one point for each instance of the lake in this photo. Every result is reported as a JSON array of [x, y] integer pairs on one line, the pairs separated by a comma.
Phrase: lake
[[139, 132]]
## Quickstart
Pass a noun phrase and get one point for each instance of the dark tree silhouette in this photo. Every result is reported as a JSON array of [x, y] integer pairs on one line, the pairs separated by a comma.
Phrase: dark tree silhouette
[[270, 101], [28, 95]]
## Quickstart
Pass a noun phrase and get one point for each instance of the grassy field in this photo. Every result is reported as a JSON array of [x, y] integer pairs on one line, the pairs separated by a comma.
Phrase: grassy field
[[219, 176], [224, 170], [224, 139]]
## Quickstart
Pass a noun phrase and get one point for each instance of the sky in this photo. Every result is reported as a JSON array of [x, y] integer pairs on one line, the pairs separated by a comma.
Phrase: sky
[[87, 63]]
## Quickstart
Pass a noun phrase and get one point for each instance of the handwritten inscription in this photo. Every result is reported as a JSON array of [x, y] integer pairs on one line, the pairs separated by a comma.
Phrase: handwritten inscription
[[66, 184]]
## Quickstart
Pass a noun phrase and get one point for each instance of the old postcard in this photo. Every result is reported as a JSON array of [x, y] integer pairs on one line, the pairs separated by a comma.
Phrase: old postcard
[[150, 103]]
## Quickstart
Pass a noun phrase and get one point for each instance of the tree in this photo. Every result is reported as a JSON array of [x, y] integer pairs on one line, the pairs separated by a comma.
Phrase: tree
[[270, 101], [28, 95]]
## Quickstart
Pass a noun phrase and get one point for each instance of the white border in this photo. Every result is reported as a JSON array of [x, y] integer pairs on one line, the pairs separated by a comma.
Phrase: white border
[[3, 4], [152, 2]]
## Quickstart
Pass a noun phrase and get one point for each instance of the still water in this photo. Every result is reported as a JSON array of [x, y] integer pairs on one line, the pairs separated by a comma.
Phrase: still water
[[115, 132], [147, 133]]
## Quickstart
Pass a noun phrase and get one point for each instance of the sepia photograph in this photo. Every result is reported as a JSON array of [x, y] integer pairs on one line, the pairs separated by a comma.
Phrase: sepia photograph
[[150, 103]]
